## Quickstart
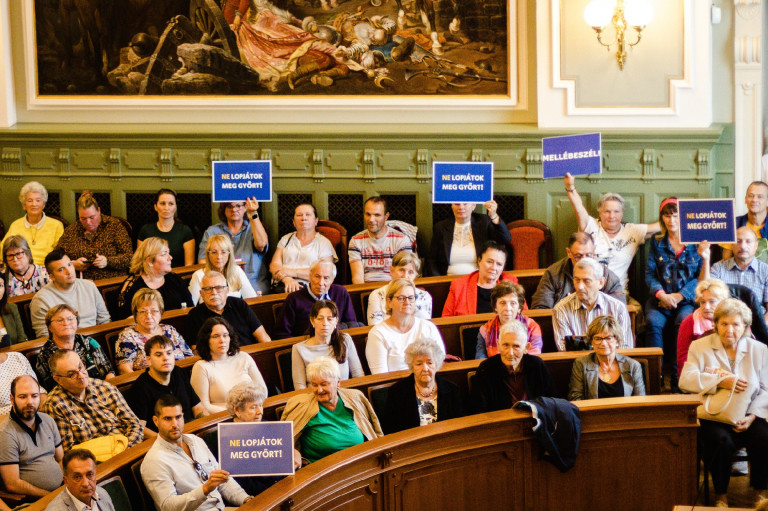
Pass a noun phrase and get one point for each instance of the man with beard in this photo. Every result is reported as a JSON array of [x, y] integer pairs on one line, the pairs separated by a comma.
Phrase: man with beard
[[179, 470], [744, 268], [31, 443]]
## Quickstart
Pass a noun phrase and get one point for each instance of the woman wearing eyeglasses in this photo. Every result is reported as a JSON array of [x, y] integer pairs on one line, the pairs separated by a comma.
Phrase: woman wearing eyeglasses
[[24, 276], [147, 306], [605, 373], [241, 223], [62, 321], [385, 348], [220, 257]]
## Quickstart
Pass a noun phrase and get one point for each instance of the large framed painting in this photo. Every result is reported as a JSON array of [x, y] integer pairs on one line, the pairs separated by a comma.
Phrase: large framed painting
[[353, 50]]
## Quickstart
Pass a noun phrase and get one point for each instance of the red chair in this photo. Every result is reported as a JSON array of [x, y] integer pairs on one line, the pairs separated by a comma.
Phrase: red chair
[[529, 239], [337, 235]]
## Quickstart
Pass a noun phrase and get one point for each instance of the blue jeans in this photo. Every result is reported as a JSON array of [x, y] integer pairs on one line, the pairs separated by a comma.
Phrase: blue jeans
[[661, 326]]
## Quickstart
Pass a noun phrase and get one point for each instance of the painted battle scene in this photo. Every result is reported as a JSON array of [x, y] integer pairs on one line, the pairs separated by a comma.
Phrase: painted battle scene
[[272, 47]]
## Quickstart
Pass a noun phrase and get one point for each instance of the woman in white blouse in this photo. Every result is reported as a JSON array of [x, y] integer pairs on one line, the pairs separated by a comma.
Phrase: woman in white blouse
[[328, 341], [223, 365], [385, 348], [296, 251], [219, 256], [405, 265]]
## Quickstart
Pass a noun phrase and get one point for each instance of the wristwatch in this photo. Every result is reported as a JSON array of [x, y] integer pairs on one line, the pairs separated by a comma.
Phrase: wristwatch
[[255, 215]]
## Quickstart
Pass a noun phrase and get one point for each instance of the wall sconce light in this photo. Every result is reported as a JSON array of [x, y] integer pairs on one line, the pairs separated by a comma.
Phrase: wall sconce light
[[622, 14]]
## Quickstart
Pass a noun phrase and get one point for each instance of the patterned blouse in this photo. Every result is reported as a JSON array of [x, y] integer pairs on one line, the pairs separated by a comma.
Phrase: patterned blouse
[[110, 240], [129, 346], [95, 360], [18, 287]]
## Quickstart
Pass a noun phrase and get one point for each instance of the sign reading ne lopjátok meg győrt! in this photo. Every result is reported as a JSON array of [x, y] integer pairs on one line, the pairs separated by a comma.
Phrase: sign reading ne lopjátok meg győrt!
[[710, 220], [256, 448], [235, 181], [577, 154], [456, 182]]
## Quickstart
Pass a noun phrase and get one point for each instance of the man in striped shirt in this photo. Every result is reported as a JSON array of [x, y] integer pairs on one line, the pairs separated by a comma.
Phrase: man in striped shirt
[[371, 251]]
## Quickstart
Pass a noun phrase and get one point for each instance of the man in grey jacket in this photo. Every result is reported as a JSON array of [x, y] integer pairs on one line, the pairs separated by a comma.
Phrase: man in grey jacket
[[557, 281], [80, 485]]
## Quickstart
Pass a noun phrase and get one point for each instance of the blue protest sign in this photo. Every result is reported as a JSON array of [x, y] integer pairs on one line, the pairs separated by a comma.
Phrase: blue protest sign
[[256, 448], [455, 182], [235, 181], [577, 154], [712, 220]]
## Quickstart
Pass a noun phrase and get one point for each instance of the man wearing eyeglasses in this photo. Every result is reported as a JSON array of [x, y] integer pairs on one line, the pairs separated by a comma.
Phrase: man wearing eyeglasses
[[86, 408], [179, 470], [557, 281], [215, 302], [240, 221]]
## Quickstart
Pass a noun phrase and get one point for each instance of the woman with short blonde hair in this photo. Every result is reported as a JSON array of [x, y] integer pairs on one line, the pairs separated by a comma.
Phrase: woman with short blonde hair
[[220, 257]]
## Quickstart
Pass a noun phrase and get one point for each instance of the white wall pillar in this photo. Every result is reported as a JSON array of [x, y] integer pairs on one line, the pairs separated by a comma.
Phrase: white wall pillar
[[748, 93], [7, 98]]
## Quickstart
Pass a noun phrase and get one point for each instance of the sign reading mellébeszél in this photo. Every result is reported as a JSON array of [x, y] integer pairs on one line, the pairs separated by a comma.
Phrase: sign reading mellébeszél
[[235, 181], [456, 182], [256, 448], [710, 220], [577, 154]]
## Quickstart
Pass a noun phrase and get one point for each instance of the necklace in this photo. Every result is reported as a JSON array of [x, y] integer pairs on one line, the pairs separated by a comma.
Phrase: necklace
[[22, 276], [163, 228], [605, 373], [428, 394]]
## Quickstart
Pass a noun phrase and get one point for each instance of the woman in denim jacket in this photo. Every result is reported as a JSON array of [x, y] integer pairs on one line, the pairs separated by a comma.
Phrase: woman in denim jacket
[[672, 273]]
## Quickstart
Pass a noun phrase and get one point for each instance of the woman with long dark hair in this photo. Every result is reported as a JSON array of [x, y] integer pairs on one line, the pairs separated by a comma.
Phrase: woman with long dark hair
[[181, 242]]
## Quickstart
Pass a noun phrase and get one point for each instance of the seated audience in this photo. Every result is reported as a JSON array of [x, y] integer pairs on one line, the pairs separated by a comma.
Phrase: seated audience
[[62, 322], [11, 327], [709, 293], [220, 257], [245, 403], [216, 304], [39, 230], [671, 273], [371, 251], [557, 281], [296, 252], [326, 341], [573, 314], [162, 377], [181, 242], [80, 294], [456, 241], [86, 408], [240, 222], [605, 373], [744, 268], [98, 245], [173, 482], [80, 489], [507, 299], [31, 443], [151, 268], [405, 265], [24, 276], [13, 365], [223, 365], [293, 320], [511, 375], [616, 242], [471, 294], [708, 369], [385, 348], [329, 418], [422, 397], [148, 307]]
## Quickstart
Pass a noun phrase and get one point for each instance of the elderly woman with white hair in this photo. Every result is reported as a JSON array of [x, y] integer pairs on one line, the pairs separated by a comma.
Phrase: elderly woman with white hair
[[512, 374], [405, 265], [41, 232], [422, 397], [329, 418], [385, 348], [709, 293], [245, 402], [730, 359], [605, 373]]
